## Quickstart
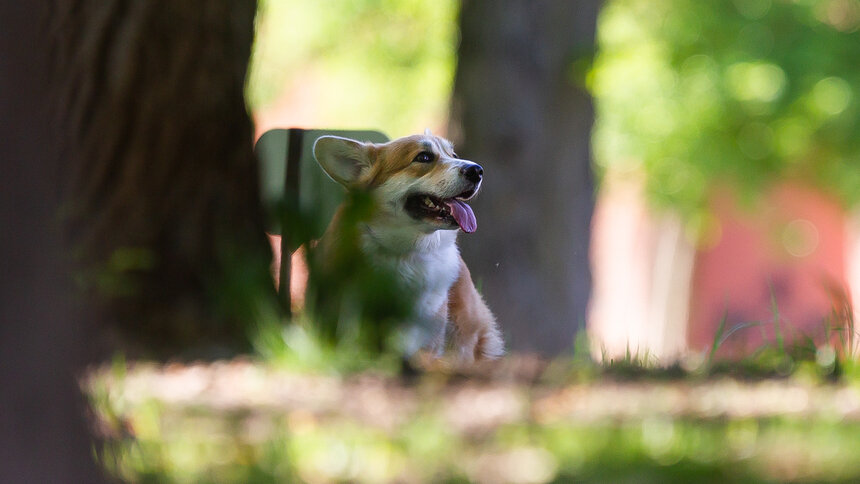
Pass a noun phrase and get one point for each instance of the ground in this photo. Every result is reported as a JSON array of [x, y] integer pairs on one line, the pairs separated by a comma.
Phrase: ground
[[521, 419]]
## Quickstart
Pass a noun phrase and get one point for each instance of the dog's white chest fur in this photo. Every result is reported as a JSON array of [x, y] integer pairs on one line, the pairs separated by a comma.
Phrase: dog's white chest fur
[[432, 268], [428, 264]]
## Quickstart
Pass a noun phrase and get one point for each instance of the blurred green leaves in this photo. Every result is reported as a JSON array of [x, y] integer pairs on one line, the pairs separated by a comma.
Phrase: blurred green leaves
[[357, 312], [353, 300], [691, 92], [387, 64]]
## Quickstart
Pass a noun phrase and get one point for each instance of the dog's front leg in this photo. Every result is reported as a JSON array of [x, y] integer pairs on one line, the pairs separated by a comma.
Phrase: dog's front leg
[[438, 326], [476, 335], [425, 335]]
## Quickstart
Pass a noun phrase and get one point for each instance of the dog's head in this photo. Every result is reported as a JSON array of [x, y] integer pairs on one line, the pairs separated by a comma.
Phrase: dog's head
[[417, 181]]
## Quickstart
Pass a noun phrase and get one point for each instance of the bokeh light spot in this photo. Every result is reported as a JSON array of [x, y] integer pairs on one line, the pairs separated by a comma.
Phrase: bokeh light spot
[[800, 237], [756, 81], [831, 95], [753, 9], [843, 15]]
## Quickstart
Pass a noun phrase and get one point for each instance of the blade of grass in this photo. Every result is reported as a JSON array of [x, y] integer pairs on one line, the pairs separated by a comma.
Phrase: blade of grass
[[842, 338], [734, 329], [718, 339], [851, 332], [780, 343]]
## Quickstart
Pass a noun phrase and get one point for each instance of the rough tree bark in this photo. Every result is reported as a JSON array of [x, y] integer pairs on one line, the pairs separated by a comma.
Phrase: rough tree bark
[[520, 110], [162, 201]]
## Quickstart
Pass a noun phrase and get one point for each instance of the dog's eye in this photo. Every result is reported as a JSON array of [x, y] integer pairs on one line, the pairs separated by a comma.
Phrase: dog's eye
[[424, 157]]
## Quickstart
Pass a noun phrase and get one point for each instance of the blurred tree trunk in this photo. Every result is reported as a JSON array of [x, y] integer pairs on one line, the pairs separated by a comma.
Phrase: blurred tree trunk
[[162, 200], [521, 110], [43, 436]]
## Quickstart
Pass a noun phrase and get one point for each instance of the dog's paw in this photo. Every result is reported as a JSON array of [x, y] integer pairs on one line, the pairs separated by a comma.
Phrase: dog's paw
[[489, 345], [482, 345]]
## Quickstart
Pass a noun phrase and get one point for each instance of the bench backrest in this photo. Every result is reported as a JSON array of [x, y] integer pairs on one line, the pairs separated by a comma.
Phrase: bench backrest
[[288, 169], [291, 177]]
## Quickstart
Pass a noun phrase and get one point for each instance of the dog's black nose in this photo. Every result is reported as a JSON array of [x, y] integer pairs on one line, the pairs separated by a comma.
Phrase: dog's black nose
[[473, 172]]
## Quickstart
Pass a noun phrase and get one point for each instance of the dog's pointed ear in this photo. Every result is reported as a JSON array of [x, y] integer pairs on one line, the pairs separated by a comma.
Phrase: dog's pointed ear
[[343, 159]]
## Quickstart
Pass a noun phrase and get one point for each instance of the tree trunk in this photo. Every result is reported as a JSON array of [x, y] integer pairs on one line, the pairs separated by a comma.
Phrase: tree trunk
[[162, 200], [521, 110], [43, 436]]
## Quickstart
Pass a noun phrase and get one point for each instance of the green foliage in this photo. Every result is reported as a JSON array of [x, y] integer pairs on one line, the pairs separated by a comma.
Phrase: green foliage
[[351, 300], [386, 64], [801, 357], [692, 92], [275, 426], [624, 420], [357, 314]]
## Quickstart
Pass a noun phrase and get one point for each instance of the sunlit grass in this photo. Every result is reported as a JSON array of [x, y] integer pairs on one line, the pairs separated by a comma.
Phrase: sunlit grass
[[275, 426], [790, 411]]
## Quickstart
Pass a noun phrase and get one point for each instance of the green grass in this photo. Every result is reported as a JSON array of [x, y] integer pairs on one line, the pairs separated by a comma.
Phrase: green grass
[[788, 412], [307, 409], [200, 446]]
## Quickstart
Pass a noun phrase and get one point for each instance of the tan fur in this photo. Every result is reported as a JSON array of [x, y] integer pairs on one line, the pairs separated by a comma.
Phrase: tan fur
[[476, 335], [396, 156]]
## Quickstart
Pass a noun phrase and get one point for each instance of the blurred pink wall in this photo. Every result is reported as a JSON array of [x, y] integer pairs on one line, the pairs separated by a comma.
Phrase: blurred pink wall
[[658, 294], [789, 246]]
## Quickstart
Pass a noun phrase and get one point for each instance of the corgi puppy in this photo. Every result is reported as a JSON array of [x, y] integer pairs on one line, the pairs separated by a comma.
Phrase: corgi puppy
[[420, 188]]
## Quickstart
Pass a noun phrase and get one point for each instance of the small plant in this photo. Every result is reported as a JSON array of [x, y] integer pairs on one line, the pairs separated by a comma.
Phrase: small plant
[[355, 313], [782, 356]]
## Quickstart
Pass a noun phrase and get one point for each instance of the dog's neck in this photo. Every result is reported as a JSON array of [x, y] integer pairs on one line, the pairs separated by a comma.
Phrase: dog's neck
[[393, 241]]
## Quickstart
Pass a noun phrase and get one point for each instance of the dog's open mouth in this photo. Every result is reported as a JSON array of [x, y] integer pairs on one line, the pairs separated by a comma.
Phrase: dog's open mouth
[[453, 211]]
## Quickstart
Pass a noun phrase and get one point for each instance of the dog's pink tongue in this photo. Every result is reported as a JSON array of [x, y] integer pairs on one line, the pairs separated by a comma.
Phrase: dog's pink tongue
[[463, 214]]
